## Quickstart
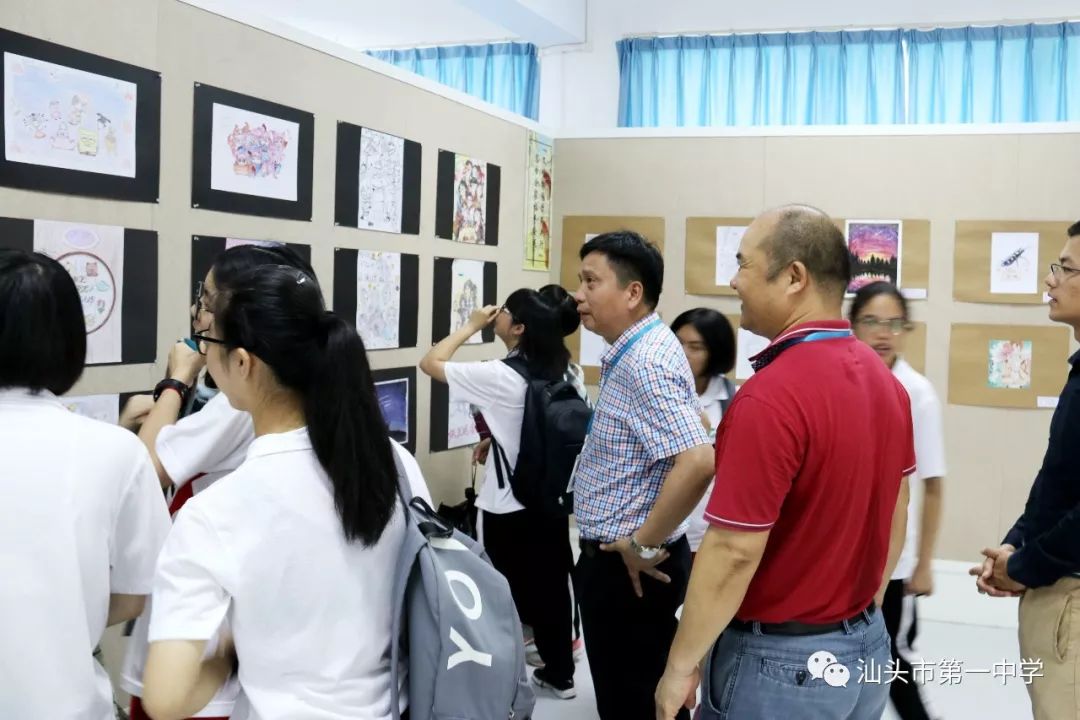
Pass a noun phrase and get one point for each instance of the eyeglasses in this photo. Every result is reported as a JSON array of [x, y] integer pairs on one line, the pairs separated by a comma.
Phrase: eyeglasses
[[200, 291], [506, 310], [202, 341], [896, 326], [1060, 272]]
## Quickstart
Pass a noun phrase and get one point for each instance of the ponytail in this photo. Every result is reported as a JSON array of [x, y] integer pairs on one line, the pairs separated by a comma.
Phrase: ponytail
[[349, 434], [277, 314]]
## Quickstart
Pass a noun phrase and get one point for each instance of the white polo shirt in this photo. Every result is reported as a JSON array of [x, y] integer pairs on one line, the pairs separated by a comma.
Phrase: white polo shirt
[[310, 612], [929, 456], [81, 516]]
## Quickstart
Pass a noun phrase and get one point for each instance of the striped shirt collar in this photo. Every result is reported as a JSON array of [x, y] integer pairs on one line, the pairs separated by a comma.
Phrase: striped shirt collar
[[802, 330]]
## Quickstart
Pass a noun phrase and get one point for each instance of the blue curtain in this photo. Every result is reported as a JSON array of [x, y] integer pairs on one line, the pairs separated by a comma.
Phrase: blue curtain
[[1009, 73], [503, 74], [809, 78]]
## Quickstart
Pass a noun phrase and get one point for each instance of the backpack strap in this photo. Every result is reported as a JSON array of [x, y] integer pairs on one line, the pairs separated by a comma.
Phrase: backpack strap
[[501, 462], [518, 364]]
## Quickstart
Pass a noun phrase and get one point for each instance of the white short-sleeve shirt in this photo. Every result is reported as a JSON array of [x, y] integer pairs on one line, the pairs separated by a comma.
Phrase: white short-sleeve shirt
[[929, 455], [499, 392], [712, 403], [310, 612], [82, 517]]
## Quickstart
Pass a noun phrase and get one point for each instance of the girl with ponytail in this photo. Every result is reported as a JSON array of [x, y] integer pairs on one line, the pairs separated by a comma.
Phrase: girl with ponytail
[[297, 548]]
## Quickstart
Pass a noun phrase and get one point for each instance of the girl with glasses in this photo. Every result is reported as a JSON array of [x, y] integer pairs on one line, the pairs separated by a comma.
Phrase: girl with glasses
[[879, 317]]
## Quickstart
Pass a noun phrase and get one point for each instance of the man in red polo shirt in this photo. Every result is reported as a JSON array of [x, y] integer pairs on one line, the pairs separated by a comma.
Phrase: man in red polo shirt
[[809, 508]]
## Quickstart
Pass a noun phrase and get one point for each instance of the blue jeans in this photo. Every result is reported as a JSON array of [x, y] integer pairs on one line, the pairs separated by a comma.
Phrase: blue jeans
[[751, 676]]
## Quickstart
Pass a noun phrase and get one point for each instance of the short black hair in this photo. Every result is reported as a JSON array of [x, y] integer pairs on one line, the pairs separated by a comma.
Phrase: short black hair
[[42, 327], [1074, 229], [633, 258], [870, 291], [718, 335], [807, 235]]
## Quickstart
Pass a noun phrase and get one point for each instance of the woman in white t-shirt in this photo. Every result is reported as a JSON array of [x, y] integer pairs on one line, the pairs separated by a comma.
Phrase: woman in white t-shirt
[[879, 317], [531, 549], [192, 452], [709, 343], [81, 520], [298, 546]]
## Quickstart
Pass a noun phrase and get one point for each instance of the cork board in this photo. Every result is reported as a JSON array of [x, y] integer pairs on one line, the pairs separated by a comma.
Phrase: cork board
[[700, 275], [574, 230], [970, 359], [972, 250], [700, 271], [914, 346]]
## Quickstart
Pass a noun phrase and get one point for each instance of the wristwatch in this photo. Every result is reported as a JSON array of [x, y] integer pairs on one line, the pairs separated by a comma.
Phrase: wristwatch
[[645, 552], [172, 384]]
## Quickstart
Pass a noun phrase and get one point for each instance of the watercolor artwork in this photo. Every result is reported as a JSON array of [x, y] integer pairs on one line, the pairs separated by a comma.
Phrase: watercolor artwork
[[874, 247], [1009, 365], [253, 154]]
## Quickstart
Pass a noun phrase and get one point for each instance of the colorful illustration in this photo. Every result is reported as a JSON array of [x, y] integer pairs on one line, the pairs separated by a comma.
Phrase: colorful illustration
[[94, 257], [253, 154], [1014, 263], [61, 117], [874, 249], [394, 403], [378, 298], [470, 200], [466, 294], [538, 202], [1009, 364], [382, 169]]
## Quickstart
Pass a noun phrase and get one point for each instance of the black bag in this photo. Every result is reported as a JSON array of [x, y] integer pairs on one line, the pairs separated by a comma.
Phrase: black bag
[[463, 515], [553, 429]]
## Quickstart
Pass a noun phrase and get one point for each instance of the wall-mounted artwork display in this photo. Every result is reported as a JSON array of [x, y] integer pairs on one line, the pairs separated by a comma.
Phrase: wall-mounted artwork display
[[874, 247], [711, 245], [452, 423], [1005, 261], [462, 286], [251, 156], [380, 293], [106, 407], [538, 176], [467, 199], [396, 389], [1017, 366], [378, 181], [77, 123], [115, 272], [206, 248]]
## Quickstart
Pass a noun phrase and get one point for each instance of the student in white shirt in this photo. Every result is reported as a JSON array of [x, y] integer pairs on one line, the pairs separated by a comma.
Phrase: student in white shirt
[[530, 548], [708, 340], [192, 452], [297, 547], [879, 317], [81, 520]]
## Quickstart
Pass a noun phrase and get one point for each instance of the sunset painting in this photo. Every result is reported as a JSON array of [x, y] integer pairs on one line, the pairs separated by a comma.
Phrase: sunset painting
[[874, 250]]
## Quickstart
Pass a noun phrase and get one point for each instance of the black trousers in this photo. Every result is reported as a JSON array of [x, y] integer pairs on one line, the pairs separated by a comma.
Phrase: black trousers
[[627, 638], [533, 552], [898, 612]]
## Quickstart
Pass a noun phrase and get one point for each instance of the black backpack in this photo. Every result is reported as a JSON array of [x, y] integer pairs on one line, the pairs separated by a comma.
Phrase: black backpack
[[553, 428]]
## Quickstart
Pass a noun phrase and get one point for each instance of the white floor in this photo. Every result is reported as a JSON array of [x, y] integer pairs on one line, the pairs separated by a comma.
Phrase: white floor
[[976, 696]]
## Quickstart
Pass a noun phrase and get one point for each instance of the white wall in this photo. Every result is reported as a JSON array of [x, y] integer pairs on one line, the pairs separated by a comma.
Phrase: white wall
[[580, 84]]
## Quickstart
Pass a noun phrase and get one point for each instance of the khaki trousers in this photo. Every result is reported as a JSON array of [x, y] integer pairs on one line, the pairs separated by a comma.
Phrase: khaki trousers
[[1050, 631]]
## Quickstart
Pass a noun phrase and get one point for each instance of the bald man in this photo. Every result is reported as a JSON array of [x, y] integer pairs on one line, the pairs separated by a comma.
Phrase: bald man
[[809, 510]]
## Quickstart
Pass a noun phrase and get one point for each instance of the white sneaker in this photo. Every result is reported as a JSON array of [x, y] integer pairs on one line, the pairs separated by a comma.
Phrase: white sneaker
[[562, 692], [533, 659]]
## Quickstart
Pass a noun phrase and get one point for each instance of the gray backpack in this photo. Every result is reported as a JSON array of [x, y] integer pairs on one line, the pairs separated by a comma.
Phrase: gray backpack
[[455, 621]]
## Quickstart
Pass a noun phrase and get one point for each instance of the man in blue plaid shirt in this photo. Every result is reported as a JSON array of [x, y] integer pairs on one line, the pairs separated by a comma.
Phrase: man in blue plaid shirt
[[646, 463]]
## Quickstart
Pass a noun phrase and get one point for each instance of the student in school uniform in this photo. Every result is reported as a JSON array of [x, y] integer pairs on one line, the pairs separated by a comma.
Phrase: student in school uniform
[[296, 548], [530, 549], [81, 521], [879, 317], [194, 451], [709, 344]]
